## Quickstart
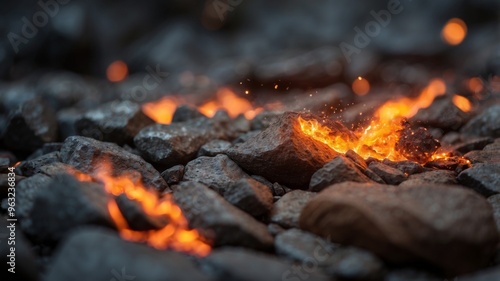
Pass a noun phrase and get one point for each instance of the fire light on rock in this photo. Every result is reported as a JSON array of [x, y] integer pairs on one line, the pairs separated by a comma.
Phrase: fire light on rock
[[175, 235], [226, 99], [454, 31], [117, 71], [161, 110], [462, 103]]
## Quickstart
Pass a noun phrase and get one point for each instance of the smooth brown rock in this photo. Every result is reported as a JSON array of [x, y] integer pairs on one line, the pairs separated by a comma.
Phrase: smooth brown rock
[[451, 228]]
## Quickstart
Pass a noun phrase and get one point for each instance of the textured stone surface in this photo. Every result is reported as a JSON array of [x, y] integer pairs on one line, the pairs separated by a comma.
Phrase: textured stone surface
[[218, 172], [483, 178], [136, 218], [218, 220], [389, 174], [300, 245], [250, 196], [185, 113], [173, 175], [495, 204], [283, 153], [85, 154], [31, 167], [214, 147], [407, 167], [116, 122], [287, 209], [340, 169], [449, 227], [443, 114], [489, 274], [431, 177], [417, 144], [485, 124], [97, 254]]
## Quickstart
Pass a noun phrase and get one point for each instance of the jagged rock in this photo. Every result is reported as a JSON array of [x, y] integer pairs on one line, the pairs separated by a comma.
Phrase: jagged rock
[[250, 196], [483, 178], [485, 124], [387, 173], [287, 209], [431, 177], [214, 147], [173, 175]]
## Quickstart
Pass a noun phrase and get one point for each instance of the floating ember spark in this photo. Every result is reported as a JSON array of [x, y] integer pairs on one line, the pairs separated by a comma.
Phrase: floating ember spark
[[454, 31], [462, 103], [226, 99], [161, 110], [117, 71], [360, 86], [175, 235]]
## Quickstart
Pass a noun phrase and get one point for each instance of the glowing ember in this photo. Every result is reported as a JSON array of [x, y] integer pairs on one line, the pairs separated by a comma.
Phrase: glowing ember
[[360, 86], [454, 31], [475, 85], [379, 139], [161, 110], [117, 71], [226, 99], [462, 103], [175, 235]]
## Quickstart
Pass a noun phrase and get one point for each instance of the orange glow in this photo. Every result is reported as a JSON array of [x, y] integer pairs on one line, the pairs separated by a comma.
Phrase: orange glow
[[161, 110], [475, 85], [17, 164], [379, 139], [117, 71], [454, 31], [175, 235], [462, 103], [226, 99], [360, 86]]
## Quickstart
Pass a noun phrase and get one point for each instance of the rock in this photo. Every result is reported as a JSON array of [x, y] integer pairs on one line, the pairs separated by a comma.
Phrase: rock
[[218, 220], [489, 274], [116, 122], [454, 163], [485, 124], [85, 154], [431, 177], [340, 169], [4, 164], [173, 175], [55, 168], [219, 172], [278, 189], [358, 160], [250, 196], [417, 144], [264, 119], [286, 211], [373, 176], [66, 204], [411, 275], [185, 113], [283, 153], [407, 224], [66, 120], [135, 216], [443, 114], [472, 144], [300, 245], [494, 201], [387, 173], [177, 143], [108, 257], [245, 136], [483, 156], [51, 147], [274, 229], [483, 178], [234, 264], [30, 126], [31, 167], [214, 147], [405, 166], [354, 264]]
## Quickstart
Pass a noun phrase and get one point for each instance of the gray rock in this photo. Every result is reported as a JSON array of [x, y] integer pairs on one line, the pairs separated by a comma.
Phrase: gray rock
[[387, 173], [287, 209], [219, 172], [405, 166], [300, 246], [351, 263], [185, 113], [116, 122], [250, 196], [472, 144], [483, 178], [218, 220], [66, 204], [495, 204], [443, 114], [485, 124], [431, 177], [245, 136], [85, 154], [340, 169], [264, 119], [214, 147], [98, 254], [4, 164], [173, 175], [31, 167], [407, 224], [135, 216]]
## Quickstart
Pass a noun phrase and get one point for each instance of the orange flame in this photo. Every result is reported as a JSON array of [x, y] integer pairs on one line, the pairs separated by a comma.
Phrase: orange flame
[[117, 71], [229, 101], [454, 31], [379, 139], [175, 235], [462, 103], [161, 110]]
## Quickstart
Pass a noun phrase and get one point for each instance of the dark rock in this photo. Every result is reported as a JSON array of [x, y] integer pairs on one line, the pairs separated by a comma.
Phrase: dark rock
[[283, 153], [405, 166], [354, 264], [494, 201], [214, 147], [66, 204], [85, 154], [264, 119], [135, 216], [490, 154], [173, 175], [66, 120], [431, 177], [185, 113], [443, 114], [300, 246], [411, 275], [31, 167], [51, 147], [278, 189], [55, 168], [177, 143], [489, 274], [340, 169], [358, 160], [472, 144], [457, 164], [4, 164], [245, 136], [116, 122], [417, 144], [373, 176], [274, 229], [108, 257], [485, 124], [30, 126], [387, 173], [250, 196], [235, 264], [483, 178], [263, 181], [219, 172], [218, 220], [407, 224], [286, 211]]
